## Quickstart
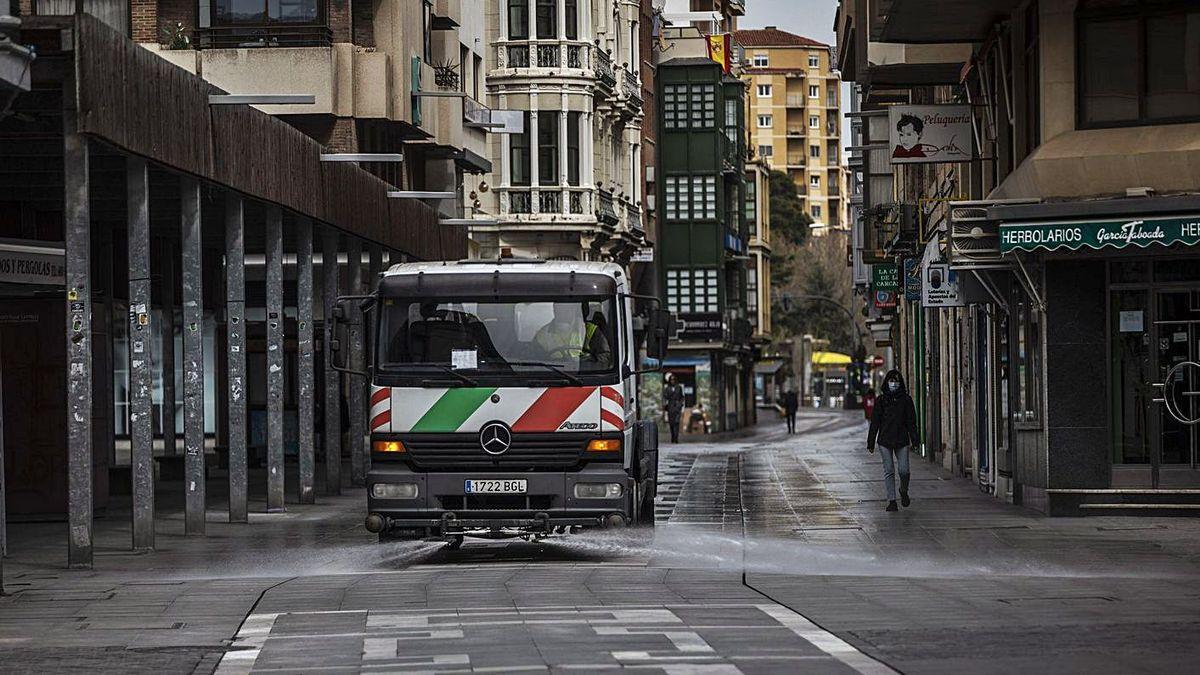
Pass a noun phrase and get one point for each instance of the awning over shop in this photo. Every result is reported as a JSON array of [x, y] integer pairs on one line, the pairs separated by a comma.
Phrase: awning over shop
[[1096, 234], [831, 359], [767, 367]]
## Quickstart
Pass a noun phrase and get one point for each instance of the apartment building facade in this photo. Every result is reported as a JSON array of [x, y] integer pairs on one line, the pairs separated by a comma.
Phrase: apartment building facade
[[1060, 373], [795, 117], [704, 252], [569, 183]]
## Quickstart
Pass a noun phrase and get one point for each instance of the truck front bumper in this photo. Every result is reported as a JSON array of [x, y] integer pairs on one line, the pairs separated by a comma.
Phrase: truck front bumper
[[442, 504]]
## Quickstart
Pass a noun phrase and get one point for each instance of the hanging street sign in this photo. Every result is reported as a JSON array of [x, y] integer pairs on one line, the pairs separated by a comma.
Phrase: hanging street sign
[[1074, 235], [885, 277], [912, 279]]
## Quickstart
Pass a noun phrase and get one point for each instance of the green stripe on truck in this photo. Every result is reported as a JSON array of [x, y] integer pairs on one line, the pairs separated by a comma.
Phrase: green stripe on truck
[[452, 409]]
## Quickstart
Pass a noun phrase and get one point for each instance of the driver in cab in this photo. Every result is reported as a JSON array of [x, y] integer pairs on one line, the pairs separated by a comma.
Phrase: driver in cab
[[569, 335]]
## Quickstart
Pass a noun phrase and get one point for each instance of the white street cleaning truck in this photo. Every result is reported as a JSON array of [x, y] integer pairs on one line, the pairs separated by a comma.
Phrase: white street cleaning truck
[[504, 398]]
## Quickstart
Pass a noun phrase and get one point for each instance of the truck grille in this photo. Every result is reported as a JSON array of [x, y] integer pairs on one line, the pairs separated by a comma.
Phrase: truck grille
[[457, 452], [496, 502]]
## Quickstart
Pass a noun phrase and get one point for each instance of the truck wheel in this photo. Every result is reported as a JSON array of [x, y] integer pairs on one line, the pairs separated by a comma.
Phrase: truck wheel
[[646, 513]]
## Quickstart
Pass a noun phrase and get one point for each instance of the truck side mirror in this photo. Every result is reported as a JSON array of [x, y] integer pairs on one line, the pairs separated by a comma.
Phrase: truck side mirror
[[338, 328], [659, 330]]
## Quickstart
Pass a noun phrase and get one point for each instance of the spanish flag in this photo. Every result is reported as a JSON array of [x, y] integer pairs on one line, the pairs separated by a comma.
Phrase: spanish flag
[[718, 50]]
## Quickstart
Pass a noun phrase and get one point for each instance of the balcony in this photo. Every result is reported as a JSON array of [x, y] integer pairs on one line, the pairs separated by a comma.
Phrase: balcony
[[547, 200], [250, 37], [631, 90], [796, 161], [796, 101], [446, 15], [604, 70], [796, 132], [545, 54], [606, 211]]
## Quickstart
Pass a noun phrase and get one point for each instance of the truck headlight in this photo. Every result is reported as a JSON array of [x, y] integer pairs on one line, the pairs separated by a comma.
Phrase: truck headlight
[[598, 490], [394, 490]]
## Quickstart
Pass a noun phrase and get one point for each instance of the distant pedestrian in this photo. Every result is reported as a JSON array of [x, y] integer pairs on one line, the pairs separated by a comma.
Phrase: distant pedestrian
[[894, 424], [790, 403], [673, 405], [869, 403]]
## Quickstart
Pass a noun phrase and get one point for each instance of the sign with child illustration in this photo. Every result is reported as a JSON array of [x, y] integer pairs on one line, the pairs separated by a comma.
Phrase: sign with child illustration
[[930, 134]]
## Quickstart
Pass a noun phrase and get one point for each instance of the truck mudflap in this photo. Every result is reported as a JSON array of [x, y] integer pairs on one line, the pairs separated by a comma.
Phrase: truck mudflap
[[441, 503]]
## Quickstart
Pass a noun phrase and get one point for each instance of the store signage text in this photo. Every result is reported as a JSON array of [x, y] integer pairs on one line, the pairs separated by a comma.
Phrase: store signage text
[[21, 267], [1118, 234]]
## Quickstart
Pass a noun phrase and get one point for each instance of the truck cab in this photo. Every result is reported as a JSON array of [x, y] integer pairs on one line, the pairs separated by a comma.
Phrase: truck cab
[[504, 399]]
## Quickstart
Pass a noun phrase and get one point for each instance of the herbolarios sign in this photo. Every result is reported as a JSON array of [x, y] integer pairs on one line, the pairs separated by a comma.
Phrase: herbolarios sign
[[1099, 234], [930, 134]]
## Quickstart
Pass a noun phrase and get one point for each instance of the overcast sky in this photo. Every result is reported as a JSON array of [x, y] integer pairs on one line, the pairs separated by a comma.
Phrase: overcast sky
[[810, 18]]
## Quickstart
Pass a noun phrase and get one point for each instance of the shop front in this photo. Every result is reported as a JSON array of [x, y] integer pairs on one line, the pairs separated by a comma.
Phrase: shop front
[[1121, 354]]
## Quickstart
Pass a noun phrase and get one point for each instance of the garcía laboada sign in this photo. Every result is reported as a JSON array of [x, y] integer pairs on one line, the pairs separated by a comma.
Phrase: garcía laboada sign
[[1075, 235]]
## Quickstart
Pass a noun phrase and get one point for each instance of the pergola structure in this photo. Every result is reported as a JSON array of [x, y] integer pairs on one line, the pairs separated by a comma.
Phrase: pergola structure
[[127, 188]]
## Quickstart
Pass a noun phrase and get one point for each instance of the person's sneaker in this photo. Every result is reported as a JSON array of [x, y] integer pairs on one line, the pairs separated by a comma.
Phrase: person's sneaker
[[904, 500], [892, 506]]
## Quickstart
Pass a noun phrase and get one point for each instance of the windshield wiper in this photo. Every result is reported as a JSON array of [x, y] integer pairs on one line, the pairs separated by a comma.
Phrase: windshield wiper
[[573, 379], [450, 371]]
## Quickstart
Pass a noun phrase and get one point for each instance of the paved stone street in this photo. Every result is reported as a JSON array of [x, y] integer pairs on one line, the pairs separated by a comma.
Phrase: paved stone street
[[771, 554]]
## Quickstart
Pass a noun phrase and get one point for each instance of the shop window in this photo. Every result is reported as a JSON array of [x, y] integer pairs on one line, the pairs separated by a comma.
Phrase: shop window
[[1138, 63], [1028, 375]]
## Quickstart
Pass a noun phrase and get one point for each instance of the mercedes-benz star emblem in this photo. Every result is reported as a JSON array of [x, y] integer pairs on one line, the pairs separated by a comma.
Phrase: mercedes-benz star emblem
[[495, 438]]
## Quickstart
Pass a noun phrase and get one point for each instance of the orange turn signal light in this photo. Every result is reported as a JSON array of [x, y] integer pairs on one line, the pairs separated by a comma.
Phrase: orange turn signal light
[[604, 445], [388, 446]]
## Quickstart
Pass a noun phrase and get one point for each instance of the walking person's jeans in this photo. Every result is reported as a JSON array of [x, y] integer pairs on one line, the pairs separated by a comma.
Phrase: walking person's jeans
[[791, 422], [673, 423], [894, 460]]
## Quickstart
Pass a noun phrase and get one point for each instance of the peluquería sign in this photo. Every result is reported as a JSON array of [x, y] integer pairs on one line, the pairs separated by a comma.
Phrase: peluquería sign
[[1074, 235]]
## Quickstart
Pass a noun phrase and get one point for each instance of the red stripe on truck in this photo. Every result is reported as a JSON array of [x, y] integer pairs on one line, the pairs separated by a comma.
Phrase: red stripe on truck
[[612, 394], [382, 419], [552, 408], [611, 418], [381, 395]]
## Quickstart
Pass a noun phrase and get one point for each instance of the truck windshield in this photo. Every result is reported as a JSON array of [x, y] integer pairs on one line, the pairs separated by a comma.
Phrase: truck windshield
[[572, 339]]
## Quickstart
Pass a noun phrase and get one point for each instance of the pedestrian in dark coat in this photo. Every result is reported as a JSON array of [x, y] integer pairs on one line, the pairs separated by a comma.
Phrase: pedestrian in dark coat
[[673, 405], [791, 402], [894, 425]]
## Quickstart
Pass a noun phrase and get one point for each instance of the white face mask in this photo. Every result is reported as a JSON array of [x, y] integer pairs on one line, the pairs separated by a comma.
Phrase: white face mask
[[893, 386]]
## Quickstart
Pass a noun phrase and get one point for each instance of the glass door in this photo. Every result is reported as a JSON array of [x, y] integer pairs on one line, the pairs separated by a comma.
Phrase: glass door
[[1131, 375], [1177, 341]]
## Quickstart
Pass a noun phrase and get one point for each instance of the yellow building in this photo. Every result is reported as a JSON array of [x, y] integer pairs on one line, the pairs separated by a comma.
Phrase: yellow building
[[794, 118]]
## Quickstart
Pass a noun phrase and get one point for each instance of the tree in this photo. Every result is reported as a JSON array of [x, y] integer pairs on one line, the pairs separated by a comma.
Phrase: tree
[[815, 268], [789, 220]]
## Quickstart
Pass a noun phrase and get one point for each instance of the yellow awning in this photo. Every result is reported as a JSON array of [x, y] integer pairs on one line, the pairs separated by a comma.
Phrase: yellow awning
[[831, 359]]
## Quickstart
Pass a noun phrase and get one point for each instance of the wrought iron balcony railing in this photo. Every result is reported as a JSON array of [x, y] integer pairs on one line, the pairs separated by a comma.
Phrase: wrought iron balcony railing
[[242, 37]]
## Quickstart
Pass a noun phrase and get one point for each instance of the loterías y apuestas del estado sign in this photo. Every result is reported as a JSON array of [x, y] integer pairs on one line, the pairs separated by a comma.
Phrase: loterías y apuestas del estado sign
[[1074, 235]]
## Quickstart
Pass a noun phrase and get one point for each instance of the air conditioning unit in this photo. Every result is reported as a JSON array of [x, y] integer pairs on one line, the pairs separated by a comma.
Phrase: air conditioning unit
[[974, 239]]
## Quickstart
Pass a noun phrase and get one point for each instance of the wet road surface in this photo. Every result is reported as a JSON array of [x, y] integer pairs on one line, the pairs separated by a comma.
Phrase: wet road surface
[[771, 554]]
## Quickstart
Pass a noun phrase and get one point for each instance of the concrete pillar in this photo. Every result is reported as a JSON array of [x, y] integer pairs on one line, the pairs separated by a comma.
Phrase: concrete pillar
[[275, 392], [77, 231], [141, 366], [358, 398], [235, 315], [167, 335], [305, 359], [3, 511], [333, 379], [193, 357]]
